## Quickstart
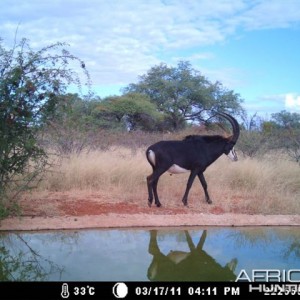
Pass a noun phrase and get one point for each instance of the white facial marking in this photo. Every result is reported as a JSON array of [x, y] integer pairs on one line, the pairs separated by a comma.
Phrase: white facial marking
[[232, 155], [175, 169]]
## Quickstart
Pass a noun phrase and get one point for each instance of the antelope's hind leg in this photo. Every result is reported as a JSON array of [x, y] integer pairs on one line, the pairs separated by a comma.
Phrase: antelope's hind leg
[[152, 181], [157, 202], [150, 190]]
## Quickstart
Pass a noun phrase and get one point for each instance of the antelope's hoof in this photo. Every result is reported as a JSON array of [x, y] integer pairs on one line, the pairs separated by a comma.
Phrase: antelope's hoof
[[149, 203], [209, 201]]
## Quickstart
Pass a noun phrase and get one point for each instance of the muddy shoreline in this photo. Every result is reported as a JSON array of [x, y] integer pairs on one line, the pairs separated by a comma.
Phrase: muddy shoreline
[[115, 220]]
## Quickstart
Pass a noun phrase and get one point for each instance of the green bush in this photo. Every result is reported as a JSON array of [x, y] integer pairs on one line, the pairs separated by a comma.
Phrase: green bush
[[31, 83]]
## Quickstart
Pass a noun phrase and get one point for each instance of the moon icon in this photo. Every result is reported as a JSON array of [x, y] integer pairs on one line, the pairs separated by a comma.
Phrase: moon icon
[[120, 290]]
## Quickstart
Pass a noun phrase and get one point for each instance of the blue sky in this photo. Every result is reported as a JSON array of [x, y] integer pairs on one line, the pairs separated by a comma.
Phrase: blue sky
[[250, 46]]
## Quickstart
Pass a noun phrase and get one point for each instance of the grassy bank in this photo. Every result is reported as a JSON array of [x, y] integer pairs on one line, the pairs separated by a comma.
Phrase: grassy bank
[[267, 185]]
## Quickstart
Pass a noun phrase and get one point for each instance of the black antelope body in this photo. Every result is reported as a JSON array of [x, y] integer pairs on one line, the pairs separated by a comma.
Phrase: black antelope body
[[194, 265], [194, 153]]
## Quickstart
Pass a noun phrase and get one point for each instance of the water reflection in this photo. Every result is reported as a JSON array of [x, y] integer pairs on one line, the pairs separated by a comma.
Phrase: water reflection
[[194, 265], [19, 261], [142, 255]]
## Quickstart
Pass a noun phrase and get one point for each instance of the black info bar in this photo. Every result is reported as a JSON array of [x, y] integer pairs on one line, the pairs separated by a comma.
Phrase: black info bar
[[141, 290]]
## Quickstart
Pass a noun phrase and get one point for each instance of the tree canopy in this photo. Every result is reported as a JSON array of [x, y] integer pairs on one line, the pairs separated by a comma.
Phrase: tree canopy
[[287, 119], [182, 94], [131, 111]]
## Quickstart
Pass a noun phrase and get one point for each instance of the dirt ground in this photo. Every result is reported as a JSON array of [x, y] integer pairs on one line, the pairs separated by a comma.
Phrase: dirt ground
[[70, 211]]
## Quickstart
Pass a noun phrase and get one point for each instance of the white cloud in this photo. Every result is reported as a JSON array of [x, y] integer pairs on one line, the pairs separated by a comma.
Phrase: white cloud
[[292, 102], [194, 58], [120, 40], [275, 103], [266, 104], [270, 14]]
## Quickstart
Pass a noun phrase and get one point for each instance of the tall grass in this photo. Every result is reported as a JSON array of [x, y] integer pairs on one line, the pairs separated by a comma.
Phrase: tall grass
[[265, 185]]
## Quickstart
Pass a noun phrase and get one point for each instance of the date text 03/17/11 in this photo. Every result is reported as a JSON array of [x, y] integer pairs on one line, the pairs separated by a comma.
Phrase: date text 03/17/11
[[177, 291]]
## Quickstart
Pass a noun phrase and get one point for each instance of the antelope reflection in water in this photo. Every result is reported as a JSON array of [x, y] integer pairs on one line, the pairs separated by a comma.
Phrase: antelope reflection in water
[[195, 265]]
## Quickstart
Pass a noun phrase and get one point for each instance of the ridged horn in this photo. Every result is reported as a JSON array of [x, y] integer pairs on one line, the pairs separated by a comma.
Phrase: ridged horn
[[234, 124]]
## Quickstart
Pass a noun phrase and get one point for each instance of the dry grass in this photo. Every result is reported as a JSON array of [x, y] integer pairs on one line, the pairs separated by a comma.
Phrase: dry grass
[[266, 185], [269, 185]]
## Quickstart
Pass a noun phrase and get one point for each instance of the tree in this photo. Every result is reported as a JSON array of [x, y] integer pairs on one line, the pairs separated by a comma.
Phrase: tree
[[252, 140], [71, 128], [131, 111], [75, 110], [182, 94], [285, 119], [30, 85], [287, 133]]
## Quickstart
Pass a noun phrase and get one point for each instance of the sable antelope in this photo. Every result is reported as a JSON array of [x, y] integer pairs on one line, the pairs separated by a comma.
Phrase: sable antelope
[[195, 265], [194, 153]]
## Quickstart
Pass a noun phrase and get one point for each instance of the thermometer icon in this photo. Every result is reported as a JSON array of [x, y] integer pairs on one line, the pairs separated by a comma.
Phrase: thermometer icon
[[65, 291]]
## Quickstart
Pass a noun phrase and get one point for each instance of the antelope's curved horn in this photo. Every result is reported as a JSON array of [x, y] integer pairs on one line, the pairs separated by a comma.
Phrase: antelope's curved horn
[[234, 124]]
